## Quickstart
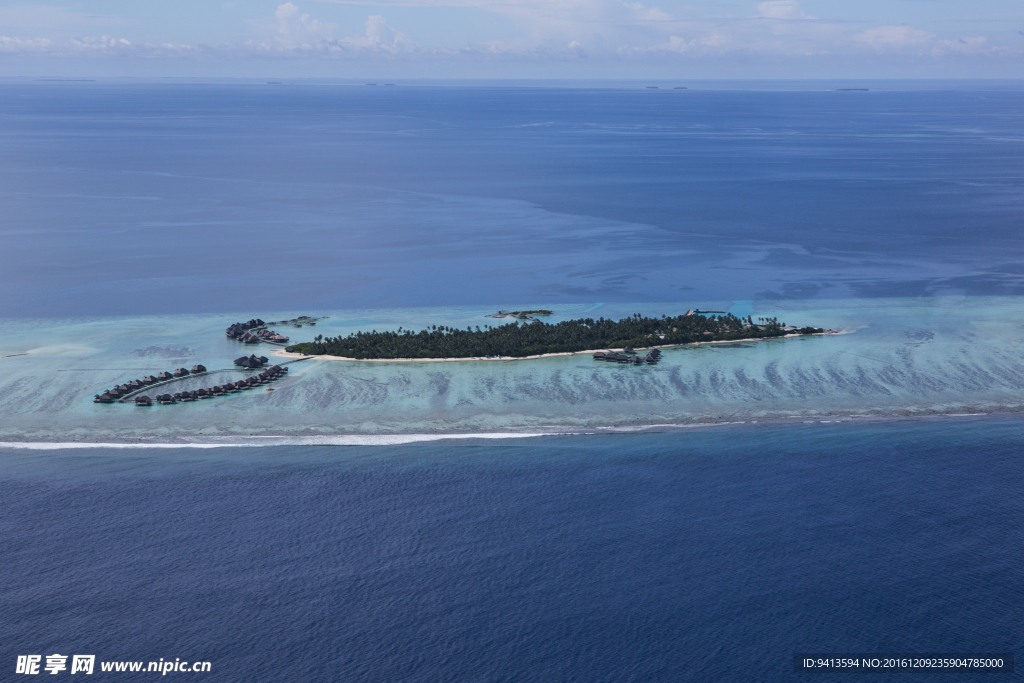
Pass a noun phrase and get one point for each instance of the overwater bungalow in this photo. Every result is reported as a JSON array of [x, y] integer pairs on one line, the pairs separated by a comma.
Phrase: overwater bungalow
[[105, 397], [181, 372], [164, 376], [238, 329], [165, 399], [150, 380], [251, 361], [198, 369], [144, 401], [612, 357]]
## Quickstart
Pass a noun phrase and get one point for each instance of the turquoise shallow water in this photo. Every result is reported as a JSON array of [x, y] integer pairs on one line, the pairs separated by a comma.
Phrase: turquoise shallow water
[[920, 356]]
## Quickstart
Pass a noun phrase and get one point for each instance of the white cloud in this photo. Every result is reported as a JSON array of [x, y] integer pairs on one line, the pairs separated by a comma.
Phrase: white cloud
[[781, 9], [642, 13], [549, 30], [972, 45], [888, 37], [380, 37], [24, 45], [110, 45], [674, 44], [103, 43], [297, 34], [296, 30], [93, 45]]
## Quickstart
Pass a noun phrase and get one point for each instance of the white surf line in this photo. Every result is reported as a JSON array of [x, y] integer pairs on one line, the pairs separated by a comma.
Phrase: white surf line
[[339, 440], [65, 445], [402, 439]]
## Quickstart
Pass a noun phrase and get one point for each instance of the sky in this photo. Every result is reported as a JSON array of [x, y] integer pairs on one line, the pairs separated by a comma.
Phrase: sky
[[586, 39]]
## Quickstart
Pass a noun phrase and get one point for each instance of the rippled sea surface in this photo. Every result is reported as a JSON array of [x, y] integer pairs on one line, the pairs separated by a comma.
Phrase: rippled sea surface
[[710, 555], [149, 198], [538, 520]]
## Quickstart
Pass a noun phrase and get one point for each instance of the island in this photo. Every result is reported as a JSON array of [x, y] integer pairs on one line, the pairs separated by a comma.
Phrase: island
[[537, 338], [521, 315], [256, 331]]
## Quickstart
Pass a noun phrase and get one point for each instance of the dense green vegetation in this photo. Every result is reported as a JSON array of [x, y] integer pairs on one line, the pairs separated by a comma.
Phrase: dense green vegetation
[[534, 338]]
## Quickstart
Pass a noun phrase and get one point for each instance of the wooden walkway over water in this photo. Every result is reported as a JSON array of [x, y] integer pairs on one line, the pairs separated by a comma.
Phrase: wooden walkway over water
[[142, 390]]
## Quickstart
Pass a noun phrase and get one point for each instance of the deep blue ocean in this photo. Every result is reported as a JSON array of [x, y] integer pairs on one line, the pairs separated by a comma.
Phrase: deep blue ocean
[[693, 554], [145, 198], [707, 556]]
